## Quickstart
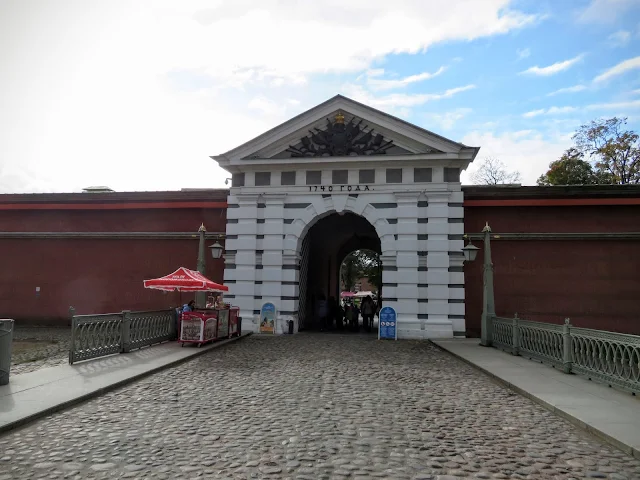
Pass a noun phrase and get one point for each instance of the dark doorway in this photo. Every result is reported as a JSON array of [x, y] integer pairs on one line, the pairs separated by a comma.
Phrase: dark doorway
[[324, 247]]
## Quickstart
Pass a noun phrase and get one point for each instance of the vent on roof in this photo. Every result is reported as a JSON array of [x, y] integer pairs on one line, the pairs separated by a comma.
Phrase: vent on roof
[[97, 190]]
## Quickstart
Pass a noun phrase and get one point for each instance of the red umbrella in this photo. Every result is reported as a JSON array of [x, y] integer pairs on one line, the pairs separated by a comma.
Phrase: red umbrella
[[185, 280], [347, 294]]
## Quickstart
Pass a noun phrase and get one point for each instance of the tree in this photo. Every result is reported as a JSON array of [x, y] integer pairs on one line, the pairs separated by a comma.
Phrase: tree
[[612, 149], [493, 172], [371, 267], [358, 264], [349, 271], [572, 169]]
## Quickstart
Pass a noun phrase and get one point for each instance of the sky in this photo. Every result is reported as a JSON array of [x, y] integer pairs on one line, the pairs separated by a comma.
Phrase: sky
[[137, 94]]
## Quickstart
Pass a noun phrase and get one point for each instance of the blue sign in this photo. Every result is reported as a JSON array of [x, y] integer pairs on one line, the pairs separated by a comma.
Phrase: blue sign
[[387, 327]]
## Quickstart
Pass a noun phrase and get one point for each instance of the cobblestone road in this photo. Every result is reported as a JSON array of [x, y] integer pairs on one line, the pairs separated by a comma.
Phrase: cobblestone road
[[311, 407], [49, 347]]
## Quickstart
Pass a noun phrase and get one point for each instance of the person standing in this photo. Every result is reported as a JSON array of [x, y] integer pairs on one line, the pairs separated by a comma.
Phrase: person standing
[[322, 312]]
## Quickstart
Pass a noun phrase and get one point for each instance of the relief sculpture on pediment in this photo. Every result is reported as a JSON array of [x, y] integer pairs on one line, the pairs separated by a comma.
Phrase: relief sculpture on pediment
[[340, 139]]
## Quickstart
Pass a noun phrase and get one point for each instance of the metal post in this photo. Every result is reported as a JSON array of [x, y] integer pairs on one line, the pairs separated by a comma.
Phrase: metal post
[[126, 331], [72, 346], [567, 355], [173, 328], [515, 341], [201, 297], [6, 339], [488, 302]]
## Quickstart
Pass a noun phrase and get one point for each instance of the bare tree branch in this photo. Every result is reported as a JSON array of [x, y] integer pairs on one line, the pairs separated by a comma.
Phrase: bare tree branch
[[492, 171]]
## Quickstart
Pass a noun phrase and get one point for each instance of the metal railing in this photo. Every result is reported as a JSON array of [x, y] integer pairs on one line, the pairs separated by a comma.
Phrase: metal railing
[[94, 336], [608, 357]]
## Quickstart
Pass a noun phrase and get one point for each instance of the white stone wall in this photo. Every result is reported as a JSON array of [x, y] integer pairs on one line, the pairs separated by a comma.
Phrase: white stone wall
[[419, 225]]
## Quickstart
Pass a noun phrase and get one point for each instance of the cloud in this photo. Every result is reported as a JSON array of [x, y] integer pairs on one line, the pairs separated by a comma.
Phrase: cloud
[[574, 89], [447, 120], [400, 100], [380, 84], [614, 106], [528, 152], [267, 106], [152, 88], [523, 53], [553, 69], [620, 38], [605, 11], [619, 69], [534, 113], [549, 111]]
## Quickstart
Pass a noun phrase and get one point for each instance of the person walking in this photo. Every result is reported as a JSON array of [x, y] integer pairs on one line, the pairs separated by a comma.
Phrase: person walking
[[368, 311]]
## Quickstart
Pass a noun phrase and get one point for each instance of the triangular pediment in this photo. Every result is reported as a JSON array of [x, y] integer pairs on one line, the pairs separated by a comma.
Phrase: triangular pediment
[[343, 127], [344, 134]]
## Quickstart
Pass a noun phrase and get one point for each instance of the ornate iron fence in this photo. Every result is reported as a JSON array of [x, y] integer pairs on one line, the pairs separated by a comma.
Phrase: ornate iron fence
[[608, 357], [503, 333], [94, 336], [542, 341], [148, 328]]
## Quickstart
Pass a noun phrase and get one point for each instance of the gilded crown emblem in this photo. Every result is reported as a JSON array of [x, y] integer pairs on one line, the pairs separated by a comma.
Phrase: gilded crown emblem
[[341, 139]]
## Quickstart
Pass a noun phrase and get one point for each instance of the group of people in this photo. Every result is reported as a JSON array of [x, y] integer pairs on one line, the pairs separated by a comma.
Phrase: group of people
[[333, 315]]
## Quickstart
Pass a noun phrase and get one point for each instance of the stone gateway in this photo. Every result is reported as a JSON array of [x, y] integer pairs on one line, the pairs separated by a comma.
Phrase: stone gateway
[[338, 177]]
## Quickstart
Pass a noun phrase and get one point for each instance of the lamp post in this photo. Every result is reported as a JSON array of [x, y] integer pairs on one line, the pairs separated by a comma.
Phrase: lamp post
[[216, 253], [488, 301], [201, 297]]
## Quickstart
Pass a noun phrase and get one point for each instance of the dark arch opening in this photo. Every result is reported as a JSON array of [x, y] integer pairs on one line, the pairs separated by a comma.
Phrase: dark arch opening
[[324, 247]]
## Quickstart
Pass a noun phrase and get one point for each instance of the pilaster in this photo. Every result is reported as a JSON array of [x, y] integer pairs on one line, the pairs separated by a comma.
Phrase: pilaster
[[240, 256], [435, 273], [271, 252]]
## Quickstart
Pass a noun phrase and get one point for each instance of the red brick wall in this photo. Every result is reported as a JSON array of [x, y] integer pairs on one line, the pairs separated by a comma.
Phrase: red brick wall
[[96, 275], [143, 220], [594, 283]]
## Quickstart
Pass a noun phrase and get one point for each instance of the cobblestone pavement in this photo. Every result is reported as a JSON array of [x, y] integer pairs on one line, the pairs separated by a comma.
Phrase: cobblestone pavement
[[50, 348], [311, 407]]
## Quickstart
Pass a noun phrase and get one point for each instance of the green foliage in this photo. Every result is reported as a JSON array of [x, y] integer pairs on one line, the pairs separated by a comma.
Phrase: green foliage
[[613, 150], [359, 264], [604, 153], [572, 169]]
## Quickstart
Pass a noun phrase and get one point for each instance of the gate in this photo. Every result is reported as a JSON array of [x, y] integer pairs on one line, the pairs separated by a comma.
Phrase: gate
[[303, 314]]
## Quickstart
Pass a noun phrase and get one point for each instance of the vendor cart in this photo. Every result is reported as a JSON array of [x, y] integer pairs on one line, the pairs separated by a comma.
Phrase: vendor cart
[[203, 325]]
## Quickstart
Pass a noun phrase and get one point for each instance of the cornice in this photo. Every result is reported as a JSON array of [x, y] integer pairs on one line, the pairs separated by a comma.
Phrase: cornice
[[113, 235]]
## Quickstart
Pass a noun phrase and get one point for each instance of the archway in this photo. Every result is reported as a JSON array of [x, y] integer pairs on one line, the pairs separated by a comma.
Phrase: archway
[[324, 247]]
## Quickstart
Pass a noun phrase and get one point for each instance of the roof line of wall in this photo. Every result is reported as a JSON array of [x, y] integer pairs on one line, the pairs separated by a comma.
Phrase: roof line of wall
[[474, 196]]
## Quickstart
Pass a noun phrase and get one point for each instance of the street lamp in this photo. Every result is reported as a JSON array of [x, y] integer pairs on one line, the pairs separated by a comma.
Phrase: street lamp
[[216, 250], [470, 252], [488, 300]]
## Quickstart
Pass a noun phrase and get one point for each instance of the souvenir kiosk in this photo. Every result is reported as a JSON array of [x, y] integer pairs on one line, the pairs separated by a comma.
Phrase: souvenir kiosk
[[217, 320], [209, 324]]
